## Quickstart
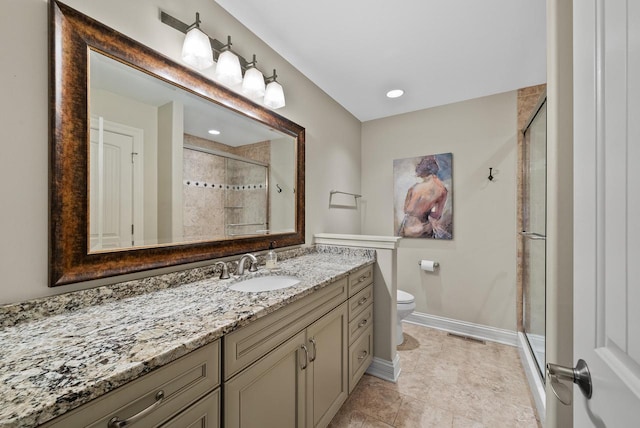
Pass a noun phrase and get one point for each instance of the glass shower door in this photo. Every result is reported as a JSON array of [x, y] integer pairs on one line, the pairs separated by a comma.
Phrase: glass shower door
[[534, 212], [246, 198]]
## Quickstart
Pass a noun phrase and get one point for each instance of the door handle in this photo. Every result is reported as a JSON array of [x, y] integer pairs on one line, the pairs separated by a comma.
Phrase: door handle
[[579, 375]]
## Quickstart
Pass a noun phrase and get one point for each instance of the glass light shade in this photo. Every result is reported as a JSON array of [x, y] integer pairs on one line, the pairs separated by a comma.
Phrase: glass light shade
[[274, 95], [196, 49], [228, 69], [253, 83]]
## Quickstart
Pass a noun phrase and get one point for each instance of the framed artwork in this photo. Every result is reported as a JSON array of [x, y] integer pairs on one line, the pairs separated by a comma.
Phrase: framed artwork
[[423, 197]]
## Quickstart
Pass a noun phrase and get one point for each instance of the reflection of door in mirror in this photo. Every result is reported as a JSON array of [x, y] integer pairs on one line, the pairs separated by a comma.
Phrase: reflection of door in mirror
[[116, 189]]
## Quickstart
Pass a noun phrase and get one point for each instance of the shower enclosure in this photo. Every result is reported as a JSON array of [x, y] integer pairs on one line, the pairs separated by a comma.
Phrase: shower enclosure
[[534, 209], [225, 195], [246, 201]]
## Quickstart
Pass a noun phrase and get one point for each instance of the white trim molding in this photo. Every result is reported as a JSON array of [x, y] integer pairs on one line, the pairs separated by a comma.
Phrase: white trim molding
[[533, 376], [476, 331], [384, 369], [364, 241]]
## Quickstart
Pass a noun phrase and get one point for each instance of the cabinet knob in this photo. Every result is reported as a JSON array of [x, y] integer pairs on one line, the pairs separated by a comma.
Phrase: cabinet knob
[[362, 355], [363, 323]]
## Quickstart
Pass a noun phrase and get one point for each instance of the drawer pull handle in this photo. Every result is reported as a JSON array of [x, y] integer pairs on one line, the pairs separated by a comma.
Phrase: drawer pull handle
[[362, 301], [363, 323], [306, 357], [362, 278], [315, 349], [115, 422], [362, 355]]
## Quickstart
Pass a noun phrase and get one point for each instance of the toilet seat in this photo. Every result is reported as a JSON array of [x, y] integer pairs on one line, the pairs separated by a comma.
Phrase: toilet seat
[[404, 297]]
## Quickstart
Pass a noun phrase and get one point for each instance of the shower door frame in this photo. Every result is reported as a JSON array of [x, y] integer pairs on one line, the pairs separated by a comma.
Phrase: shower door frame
[[529, 236]]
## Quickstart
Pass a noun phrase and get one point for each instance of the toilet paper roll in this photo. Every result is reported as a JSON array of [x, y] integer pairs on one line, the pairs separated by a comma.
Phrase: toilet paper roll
[[428, 265]]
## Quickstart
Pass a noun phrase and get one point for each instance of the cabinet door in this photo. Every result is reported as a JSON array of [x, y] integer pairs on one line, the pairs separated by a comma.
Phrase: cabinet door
[[360, 357], [270, 392], [327, 374]]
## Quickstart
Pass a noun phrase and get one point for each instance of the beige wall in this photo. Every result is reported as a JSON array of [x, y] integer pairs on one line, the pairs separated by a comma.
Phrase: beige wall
[[476, 279], [332, 143], [559, 296], [282, 173], [170, 142]]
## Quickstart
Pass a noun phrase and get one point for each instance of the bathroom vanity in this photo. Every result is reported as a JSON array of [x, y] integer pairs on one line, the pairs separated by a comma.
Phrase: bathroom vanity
[[281, 358], [181, 348]]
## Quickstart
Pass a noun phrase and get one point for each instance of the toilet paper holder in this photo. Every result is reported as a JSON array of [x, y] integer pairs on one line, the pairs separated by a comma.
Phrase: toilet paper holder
[[435, 264]]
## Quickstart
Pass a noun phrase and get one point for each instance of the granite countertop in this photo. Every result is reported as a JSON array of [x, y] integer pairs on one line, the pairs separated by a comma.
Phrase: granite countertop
[[58, 353]]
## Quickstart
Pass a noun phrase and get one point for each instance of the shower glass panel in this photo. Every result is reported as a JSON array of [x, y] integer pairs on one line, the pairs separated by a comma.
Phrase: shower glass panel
[[534, 212], [246, 198], [224, 195]]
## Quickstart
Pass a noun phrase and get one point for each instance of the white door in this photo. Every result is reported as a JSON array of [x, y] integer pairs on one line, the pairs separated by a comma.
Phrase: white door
[[607, 210], [115, 188]]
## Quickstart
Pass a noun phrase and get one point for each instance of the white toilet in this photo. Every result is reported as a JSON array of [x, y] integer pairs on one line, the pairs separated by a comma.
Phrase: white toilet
[[406, 305]]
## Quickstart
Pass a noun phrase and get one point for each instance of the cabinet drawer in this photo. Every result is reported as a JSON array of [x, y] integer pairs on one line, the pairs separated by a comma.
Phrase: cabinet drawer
[[360, 356], [183, 382], [360, 301], [204, 414], [360, 279], [360, 323], [246, 345]]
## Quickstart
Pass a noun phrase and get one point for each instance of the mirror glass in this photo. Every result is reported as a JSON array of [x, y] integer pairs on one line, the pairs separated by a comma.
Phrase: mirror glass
[[167, 166]]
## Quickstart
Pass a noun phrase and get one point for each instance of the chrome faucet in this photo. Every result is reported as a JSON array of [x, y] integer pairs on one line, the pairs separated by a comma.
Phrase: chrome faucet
[[252, 268], [224, 272]]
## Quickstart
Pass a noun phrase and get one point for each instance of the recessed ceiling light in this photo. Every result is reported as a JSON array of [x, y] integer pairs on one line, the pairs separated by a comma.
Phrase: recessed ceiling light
[[395, 93], [214, 132]]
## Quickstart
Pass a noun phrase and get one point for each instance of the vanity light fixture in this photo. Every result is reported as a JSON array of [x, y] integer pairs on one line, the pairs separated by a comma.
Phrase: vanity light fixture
[[253, 84], [196, 49], [274, 94], [228, 70], [230, 66], [395, 93]]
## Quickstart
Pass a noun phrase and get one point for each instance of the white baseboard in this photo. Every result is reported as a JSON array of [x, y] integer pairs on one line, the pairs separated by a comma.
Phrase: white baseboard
[[477, 331], [385, 369], [533, 376]]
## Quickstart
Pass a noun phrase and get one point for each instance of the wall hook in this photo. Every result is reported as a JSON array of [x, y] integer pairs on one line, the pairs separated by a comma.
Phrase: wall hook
[[279, 188], [490, 175]]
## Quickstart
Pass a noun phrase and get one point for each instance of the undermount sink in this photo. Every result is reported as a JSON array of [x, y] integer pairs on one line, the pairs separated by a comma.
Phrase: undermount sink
[[265, 283]]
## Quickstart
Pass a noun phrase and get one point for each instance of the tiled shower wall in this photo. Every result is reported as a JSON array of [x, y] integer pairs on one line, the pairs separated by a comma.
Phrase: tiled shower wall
[[213, 194], [527, 101]]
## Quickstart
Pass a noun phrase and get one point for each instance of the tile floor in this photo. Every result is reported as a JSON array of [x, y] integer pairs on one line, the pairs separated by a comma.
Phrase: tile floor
[[445, 382]]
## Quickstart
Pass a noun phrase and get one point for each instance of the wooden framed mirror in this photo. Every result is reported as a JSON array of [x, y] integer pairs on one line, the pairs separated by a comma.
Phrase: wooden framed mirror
[[84, 51]]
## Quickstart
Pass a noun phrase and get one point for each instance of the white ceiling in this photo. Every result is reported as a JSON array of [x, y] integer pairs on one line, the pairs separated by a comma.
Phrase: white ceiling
[[437, 51]]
